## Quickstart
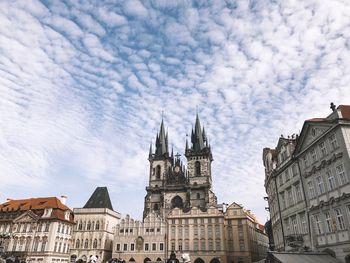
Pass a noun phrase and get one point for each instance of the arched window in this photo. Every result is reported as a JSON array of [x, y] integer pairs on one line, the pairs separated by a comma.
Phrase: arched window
[[97, 227], [86, 244], [198, 168], [88, 226], [93, 225], [80, 226], [77, 243], [177, 202], [95, 243], [198, 195], [158, 170], [155, 207]]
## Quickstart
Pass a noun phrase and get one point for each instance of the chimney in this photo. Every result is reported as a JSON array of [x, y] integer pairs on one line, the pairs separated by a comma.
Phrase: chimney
[[63, 199]]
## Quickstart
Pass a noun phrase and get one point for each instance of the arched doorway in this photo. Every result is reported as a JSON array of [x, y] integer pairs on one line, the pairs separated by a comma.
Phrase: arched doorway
[[215, 260], [159, 259], [131, 260], [146, 260], [347, 259], [177, 202], [199, 260]]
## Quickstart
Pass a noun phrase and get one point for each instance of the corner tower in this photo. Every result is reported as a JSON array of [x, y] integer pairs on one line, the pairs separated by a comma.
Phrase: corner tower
[[199, 158]]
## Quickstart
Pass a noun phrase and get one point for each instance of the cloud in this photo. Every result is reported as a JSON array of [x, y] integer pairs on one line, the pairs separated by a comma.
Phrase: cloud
[[84, 86]]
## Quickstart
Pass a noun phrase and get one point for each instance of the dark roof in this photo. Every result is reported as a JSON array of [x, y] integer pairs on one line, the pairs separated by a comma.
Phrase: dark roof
[[99, 199]]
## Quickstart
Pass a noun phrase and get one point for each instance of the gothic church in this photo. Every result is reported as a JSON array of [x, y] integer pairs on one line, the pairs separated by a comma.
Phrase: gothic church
[[172, 185]]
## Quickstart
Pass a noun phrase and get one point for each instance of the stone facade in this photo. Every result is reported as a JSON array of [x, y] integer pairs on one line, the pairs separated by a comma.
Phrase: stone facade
[[36, 230], [140, 241], [94, 228], [321, 221]]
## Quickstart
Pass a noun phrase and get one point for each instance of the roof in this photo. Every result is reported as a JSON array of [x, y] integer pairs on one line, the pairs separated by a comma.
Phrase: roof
[[33, 204], [99, 199], [14, 208], [345, 111], [285, 257]]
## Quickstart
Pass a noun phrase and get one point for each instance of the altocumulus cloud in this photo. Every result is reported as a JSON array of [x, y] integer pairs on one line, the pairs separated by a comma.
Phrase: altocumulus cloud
[[83, 86]]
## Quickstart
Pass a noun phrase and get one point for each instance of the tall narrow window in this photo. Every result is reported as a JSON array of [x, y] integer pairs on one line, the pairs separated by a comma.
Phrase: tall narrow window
[[318, 223], [333, 142], [77, 243], [328, 222], [198, 168], [158, 170], [97, 227], [319, 181], [331, 181], [340, 219], [88, 227], [86, 245], [323, 149], [311, 189], [341, 173], [95, 243]]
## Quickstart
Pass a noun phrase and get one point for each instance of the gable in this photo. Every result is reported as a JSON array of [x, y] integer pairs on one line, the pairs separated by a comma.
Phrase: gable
[[26, 217], [310, 132]]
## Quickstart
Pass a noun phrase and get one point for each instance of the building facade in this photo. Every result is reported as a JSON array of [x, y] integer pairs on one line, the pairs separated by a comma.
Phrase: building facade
[[36, 230], [321, 155], [181, 213], [94, 228]]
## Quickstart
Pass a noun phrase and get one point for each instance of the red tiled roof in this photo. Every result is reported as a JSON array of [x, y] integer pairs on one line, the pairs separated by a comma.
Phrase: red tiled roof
[[345, 111], [316, 120], [37, 205]]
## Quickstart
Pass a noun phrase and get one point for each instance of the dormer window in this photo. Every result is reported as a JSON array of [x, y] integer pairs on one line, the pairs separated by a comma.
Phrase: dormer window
[[66, 215], [47, 212]]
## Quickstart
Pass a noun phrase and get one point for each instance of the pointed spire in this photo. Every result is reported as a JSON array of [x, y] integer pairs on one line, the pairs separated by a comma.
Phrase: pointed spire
[[186, 144], [161, 141], [150, 150], [197, 137]]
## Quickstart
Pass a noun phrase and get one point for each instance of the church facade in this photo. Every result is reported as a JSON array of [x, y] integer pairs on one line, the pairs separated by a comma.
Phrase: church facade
[[181, 213]]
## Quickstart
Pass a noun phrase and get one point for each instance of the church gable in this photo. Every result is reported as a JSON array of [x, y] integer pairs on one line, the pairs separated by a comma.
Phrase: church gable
[[312, 130]]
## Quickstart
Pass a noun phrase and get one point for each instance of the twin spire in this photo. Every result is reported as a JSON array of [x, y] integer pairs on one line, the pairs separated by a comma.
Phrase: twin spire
[[198, 139]]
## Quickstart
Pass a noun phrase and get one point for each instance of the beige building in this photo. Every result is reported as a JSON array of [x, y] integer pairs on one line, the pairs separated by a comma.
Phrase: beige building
[[140, 241], [310, 204], [36, 230], [181, 213], [94, 228]]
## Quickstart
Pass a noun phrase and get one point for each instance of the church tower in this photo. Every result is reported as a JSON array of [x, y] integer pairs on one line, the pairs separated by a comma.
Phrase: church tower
[[160, 163], [199, 158]]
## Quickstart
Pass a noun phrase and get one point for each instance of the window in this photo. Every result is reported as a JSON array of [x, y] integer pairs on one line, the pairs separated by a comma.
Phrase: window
[[286, 174], [195, 244], [323, 149], [340, 219], [158, 171], [59, 247], [173, 245], [198, 168], [290, 197], [306, 161], [341, 173], [154, 246], [298, 193], [328, 222], [283, 201], [320, 184], [333, 142], [64, 248], [187, 244], [295, 225], [303, 223], [146, 246], [241, 245], [283, 156], [218, 244], [80, 226], [180, 245], [86, 244], [118, 247], [161, 246], [210, 244], [77, 243], [313, 155], [36, 244], [88, 226], [198, 195], [43, 245], [95, 243], [294, 170], [318, 223], [203, 246], [55, 247], [132, 246], [311, 189], [331, 180], [125, 247], [97, 227]]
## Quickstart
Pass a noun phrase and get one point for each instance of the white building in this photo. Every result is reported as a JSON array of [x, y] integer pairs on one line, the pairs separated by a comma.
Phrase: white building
[[36, 230]]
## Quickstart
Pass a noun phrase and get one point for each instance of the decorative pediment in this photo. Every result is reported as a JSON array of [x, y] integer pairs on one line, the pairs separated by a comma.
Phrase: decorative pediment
[[311, 132], [27, 217]]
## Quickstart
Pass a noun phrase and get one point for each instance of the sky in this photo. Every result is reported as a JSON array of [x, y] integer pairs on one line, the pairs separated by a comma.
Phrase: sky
[[83, 85]]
